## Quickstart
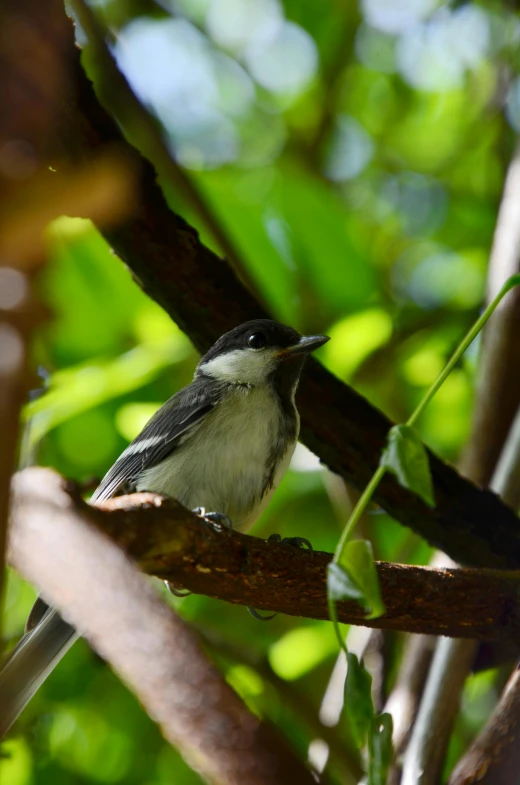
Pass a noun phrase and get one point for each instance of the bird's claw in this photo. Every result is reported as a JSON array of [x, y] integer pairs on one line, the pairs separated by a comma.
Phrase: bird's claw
[[258, 616], [176, 590], [218, 519]]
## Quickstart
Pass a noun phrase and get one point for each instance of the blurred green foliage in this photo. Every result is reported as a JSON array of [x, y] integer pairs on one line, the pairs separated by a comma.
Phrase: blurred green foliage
[[356, 156]]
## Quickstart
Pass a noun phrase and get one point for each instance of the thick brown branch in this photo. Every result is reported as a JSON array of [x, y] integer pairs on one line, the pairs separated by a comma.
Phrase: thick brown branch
[[100, 592], [170, 542], [494, 757], [200, 291]]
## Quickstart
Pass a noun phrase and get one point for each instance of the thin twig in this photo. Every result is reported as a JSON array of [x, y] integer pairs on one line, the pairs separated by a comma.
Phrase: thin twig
[[406, 693]]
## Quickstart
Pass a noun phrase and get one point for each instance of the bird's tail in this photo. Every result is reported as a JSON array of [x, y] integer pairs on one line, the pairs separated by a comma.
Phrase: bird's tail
[[29, 664]]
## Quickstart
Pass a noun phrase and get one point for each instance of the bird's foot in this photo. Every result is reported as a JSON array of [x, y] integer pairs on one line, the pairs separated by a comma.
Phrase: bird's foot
[[296, 542], [218, 519]]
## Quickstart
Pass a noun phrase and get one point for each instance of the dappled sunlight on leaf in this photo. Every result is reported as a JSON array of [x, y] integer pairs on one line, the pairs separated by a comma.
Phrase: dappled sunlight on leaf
[[302, 649], [79, 389], [354, 338]]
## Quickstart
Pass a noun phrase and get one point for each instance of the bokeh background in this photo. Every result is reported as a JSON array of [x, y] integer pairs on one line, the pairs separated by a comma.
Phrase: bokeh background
[[356, 155]]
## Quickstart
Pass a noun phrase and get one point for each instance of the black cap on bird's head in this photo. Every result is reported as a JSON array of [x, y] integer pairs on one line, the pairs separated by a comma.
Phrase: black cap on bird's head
[[255, 350]]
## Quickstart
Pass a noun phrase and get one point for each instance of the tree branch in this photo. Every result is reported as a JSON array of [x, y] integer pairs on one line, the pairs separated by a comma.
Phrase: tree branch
[[170, 542], [200, 291], [148, 645], [494, 757]]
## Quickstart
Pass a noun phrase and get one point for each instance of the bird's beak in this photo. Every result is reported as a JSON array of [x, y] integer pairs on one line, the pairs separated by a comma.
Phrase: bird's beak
[[306, 344]]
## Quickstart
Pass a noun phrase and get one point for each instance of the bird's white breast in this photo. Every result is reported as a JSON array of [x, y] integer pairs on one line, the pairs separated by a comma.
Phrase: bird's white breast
[[225, 463]]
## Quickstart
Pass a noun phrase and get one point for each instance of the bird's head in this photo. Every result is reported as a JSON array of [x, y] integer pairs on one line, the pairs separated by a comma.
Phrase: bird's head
[[257, 352]]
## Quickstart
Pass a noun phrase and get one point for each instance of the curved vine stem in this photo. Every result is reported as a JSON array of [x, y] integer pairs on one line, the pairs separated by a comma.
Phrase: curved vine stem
[[380, 472]]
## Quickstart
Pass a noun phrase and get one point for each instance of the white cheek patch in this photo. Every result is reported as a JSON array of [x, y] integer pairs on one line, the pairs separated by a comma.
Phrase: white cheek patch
[[242, 366]]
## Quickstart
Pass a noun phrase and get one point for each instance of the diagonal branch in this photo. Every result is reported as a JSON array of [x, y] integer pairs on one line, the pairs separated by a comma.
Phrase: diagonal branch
[[170, 542], [148, 645], [494, 757], [200, 291]]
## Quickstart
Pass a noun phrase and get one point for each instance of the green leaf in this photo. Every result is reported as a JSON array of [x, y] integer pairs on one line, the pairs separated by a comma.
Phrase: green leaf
[[324, 239], [340, 585], [405, 456], [355, 577], [380, 749], [358, 700]]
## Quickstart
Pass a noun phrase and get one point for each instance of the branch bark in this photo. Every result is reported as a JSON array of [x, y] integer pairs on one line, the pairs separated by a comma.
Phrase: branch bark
[[149, 646], [201, 293], [494, 758], [171, 543]]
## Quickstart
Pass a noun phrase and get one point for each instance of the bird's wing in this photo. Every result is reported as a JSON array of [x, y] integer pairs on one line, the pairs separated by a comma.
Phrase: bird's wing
[[160, 436]]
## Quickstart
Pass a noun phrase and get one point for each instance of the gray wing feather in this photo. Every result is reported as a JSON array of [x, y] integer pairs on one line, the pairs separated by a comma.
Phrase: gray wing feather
[[48, 636], [160, 436]]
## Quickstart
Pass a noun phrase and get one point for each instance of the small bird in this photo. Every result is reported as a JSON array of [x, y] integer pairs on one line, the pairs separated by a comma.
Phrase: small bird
[[221, 444]]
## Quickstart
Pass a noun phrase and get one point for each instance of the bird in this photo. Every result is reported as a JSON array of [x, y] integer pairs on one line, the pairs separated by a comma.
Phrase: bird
[[220, 444]]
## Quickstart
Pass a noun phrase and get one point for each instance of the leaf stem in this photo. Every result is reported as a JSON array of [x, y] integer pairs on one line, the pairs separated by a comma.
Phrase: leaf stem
[[335, 623], [461, 348], [359, 509], [367, 494]]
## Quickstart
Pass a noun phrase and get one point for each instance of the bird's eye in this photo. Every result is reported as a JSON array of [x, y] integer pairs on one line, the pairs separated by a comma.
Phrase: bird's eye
[[256, 341]]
